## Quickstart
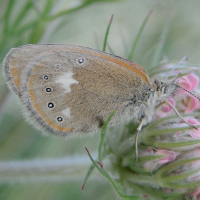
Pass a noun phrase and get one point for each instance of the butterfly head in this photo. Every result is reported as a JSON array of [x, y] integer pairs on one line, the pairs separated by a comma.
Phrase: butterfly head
[[164, 88]]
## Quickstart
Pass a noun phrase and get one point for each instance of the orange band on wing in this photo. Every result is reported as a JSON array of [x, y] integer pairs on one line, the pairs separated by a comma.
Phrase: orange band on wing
[[32, 96], [17, 82], [43, 115], [30, 83], [132, 63], [37, 108], [132, 66], [67, 129], [57, 127], [14, 72], [50, 122], [36, 67], [15, 75], [53, 125]]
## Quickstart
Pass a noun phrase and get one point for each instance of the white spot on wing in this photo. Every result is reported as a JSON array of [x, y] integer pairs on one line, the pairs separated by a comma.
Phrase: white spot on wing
[[66, 80], [66, 112]]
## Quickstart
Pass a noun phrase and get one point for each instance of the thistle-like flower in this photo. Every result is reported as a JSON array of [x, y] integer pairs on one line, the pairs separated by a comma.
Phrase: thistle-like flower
[[168, 166]]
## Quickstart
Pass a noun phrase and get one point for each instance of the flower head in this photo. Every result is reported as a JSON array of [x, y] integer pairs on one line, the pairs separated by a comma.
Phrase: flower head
[[169, 151]]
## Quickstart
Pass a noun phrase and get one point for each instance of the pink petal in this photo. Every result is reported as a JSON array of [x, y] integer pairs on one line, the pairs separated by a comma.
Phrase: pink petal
[[189, 103], [192, 104], [185, 83], [194, 133], [193, 121], [166, 107], [189, 82], [163, 161], [194, 80], [177, 134], [169, 156]]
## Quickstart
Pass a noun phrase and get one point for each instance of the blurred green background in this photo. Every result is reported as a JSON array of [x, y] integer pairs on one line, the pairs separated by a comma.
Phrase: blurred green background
[[23, 149]]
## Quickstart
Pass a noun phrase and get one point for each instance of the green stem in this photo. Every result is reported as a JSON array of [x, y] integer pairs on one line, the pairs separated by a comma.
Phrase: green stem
[[52, 170], [103, 131], [106, 35], [114, 184]]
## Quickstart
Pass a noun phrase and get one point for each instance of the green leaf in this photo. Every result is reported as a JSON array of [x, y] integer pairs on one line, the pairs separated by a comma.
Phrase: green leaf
[[156, 58], [106, 35], [103, 131], [22, 15], [87, 175], [7, 16], [138, 36]]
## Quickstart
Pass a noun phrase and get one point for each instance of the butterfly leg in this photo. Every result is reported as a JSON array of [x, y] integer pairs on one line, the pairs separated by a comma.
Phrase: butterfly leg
[[176, 111], [136, 138], [160, 105]]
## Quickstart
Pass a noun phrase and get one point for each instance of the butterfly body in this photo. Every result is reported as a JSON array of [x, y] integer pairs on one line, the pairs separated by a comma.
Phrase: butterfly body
[[69, 89]]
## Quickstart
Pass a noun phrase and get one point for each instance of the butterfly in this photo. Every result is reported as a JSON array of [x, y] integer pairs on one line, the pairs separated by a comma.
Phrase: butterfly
[[71, 90]]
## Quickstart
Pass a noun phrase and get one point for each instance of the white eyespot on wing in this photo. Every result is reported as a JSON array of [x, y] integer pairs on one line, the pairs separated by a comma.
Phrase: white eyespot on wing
[[66, 112], [66, 80]]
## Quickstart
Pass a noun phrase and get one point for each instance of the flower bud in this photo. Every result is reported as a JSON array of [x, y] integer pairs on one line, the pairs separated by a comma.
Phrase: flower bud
[[183, 173], [149, 159]]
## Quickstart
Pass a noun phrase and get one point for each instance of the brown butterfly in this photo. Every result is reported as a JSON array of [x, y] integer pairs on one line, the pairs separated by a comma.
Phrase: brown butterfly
[[70, 90]]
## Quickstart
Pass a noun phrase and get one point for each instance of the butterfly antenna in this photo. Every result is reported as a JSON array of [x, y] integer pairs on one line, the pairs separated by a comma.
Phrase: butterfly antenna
[[188, 91], [184, 58]]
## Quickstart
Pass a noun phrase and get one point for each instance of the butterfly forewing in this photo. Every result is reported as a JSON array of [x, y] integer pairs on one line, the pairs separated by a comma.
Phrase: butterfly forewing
[[66, 89]]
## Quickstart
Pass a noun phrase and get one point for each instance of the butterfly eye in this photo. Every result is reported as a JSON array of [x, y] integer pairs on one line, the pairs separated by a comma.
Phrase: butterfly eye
[[59, 119], [50, 105], [46, 77]]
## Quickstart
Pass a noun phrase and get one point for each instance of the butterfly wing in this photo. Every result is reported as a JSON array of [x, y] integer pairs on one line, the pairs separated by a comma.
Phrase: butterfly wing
[[70, 89]]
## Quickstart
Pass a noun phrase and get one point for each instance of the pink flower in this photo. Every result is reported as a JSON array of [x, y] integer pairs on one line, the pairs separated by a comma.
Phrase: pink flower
[[181, 136], [166, 107], [188, 82], [168, 156], [194, 133], [189, 104], [193, 121]]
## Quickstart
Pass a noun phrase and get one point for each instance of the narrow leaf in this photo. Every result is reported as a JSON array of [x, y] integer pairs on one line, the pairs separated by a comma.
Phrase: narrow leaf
[[103, 130], [138, 36], [156, 58], [107, 31], [87, 175]]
